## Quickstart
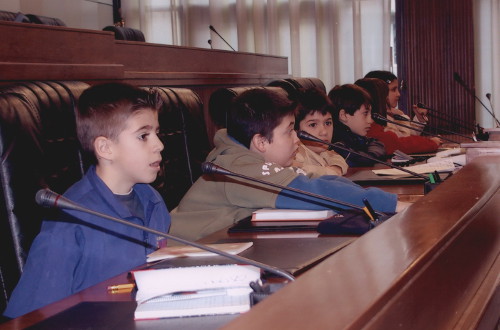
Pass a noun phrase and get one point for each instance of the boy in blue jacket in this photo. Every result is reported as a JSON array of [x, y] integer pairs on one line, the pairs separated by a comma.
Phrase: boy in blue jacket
[[118, 125], [260, 142]]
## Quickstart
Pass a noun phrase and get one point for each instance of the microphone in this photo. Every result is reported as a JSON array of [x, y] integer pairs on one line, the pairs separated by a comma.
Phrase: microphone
[[307, 136], [48, 198], [217, 33], [382, 118], [210, 43], [211, 168], [459, 80], [488, 96], [401, 118]]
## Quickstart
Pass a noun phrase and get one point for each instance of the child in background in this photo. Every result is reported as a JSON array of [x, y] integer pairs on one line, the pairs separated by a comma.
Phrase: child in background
[[378, 91], [261, 142], [392, 102], [352, 121], [314, 117], [118, 125]]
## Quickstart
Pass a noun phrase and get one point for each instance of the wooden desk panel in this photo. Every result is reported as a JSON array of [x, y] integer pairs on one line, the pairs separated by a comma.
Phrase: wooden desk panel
[[434, 266]]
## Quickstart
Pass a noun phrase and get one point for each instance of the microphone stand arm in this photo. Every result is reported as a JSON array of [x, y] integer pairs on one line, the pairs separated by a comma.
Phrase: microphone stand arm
[[238, 259], [307, 136], [415, 129]]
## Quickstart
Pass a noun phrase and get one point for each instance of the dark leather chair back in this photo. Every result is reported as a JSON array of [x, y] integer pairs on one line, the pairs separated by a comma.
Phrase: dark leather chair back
[[38, 19], [292, 84], [125, 33], [184, 135], [38, 149], [220, 101], [13, 17]]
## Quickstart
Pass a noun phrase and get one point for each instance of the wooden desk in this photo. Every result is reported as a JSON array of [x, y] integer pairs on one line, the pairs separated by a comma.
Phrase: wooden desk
[[435, 265]]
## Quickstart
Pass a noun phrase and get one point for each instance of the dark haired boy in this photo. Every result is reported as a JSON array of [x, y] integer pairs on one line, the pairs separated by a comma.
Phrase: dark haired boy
[[118, 125], [352, 120], [260, 142]]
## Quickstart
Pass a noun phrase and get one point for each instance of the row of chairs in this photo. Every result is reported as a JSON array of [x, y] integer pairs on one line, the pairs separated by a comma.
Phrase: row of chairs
[[30, 18], [39, 149]]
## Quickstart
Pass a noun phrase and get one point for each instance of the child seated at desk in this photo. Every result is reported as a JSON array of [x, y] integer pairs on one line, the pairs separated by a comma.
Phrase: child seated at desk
[[378, 91], [118, 125], [260, 142], [352, 120], [314, 116]]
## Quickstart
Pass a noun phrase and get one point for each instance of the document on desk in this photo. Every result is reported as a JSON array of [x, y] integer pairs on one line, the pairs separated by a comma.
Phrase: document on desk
[[191, 251], [194, 291], [445, 165]]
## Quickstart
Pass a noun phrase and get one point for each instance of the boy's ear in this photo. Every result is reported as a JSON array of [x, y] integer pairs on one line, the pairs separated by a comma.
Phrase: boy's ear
[[258, 143], [343, 116], [102, 147]]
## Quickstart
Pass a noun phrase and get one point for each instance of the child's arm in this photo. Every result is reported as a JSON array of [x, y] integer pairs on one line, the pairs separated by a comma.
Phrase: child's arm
[[337, 188]]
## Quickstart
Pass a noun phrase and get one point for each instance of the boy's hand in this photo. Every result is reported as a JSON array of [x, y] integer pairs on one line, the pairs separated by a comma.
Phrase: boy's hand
[[436, 140], [421, 114]]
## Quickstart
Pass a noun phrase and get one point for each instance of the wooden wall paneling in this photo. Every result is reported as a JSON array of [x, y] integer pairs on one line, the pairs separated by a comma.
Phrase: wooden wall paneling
[[434, 39]]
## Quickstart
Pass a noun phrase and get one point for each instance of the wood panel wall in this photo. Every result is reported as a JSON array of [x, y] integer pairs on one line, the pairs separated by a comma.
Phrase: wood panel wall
[[434, 40]]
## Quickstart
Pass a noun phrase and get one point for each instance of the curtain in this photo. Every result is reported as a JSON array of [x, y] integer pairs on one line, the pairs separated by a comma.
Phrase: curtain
[[337, 41], [487, 59]]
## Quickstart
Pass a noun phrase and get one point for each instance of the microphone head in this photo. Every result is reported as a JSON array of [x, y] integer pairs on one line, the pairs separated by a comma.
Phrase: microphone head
[[488, 96], [46, 198], [457, 77], [306, 136], [399, 117], [211, 28], [211, 168], [421, 105]]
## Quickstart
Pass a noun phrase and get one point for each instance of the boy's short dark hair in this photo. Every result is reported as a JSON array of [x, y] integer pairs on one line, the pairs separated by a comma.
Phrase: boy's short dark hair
[[258, 111], [378, 91], [103, 110], [348, 97], [312, 100], [386, 76]]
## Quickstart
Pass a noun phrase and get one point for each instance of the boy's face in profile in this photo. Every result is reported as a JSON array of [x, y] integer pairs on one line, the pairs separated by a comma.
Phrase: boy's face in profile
[[319, 125], [359, 122], [285, 142], [136, 151]]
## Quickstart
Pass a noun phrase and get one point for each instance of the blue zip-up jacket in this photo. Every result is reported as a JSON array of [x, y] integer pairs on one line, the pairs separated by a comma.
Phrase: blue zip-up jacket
[[79, 250]]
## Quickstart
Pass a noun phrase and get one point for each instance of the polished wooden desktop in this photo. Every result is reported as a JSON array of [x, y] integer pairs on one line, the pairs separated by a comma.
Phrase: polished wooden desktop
[[435, 265]]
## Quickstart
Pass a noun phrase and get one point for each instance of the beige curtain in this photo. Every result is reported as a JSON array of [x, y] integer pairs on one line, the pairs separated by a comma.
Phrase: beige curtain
[[337, 41], [487, 58]]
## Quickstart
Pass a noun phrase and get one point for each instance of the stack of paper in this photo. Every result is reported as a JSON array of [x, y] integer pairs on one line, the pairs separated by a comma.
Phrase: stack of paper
[[194, 291]]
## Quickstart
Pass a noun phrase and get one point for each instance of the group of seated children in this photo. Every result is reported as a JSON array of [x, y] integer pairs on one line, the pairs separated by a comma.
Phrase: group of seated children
[[118, 124]]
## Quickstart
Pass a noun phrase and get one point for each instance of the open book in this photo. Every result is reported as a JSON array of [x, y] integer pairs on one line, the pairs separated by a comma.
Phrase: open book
[[194, 291]]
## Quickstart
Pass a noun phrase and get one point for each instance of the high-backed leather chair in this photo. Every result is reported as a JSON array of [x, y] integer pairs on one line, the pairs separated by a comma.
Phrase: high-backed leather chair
[[125, 33], [292, 84], [39, 19], [38, 148], [183, 132], [220, 102], [13, 17]]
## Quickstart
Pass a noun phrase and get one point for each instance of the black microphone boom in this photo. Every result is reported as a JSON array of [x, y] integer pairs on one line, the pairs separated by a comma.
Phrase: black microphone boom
[[227, 43], [306, 136], [382, 118], [211, 168], [459, 80], [48, 198], [401, 118]]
